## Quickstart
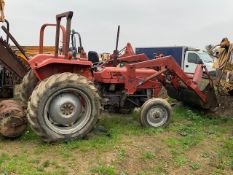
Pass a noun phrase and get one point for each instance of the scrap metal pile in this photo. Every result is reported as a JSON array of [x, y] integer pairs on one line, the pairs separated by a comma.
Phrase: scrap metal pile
[[13, 120]]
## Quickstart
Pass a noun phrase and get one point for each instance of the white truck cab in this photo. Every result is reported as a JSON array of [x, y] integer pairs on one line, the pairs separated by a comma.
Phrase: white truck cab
[[194, 57]]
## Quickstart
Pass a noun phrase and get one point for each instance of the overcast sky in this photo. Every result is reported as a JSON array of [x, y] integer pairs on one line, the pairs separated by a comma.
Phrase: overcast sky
[[143, 23]]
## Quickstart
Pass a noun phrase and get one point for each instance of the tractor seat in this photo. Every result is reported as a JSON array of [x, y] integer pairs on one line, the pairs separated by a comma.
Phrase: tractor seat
[[93, 57]]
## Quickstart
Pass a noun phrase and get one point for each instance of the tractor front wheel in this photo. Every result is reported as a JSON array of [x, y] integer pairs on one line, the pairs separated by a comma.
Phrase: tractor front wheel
[[155, 112], [63, 107]]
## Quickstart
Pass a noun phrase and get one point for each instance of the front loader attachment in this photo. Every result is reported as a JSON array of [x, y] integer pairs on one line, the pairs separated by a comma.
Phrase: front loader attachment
[[195, 90], [187, 95]]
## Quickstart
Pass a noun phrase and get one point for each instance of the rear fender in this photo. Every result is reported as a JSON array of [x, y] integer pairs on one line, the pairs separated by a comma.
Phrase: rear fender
[[46, 65]]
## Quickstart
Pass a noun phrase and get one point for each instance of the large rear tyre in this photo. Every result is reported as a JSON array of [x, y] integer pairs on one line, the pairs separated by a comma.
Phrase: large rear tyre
[[63, 107], [155, 112], [27, 86]]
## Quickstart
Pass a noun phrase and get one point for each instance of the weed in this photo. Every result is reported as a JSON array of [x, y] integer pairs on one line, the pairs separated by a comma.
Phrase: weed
[[217, 172], [3, 158], [45, 164], [171, 142], [103, 170], [217, 161], [29, 135], [205, 155], [121, 154], [159, 170], [180, 160], [123, 173], [142, 173], [148, 155], [34, 161], [195, 165]]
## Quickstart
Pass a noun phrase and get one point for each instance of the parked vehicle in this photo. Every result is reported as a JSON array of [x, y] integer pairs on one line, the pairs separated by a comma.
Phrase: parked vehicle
[[186, 57], [65, 92]]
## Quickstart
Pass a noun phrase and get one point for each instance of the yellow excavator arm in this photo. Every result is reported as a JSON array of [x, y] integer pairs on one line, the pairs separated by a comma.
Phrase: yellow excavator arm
[[2, 16], [224, 64]]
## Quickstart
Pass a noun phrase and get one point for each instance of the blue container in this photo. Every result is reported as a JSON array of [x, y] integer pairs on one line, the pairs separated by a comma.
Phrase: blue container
[[177, 52]]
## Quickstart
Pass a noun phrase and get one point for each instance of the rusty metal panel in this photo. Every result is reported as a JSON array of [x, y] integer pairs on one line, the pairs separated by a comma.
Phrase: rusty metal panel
[[10, 60], [13, 121]]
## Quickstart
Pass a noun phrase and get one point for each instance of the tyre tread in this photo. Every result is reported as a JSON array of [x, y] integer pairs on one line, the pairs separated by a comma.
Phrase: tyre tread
[[49, 83]]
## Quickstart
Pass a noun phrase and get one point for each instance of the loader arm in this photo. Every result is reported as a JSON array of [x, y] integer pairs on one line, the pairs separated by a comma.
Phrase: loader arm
[[168, 66]]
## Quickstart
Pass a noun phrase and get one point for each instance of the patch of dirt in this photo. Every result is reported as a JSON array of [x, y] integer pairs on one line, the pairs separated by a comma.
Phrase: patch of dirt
[[13, 147], [204, 153], [201, 154], [225, 106], [136, 147]]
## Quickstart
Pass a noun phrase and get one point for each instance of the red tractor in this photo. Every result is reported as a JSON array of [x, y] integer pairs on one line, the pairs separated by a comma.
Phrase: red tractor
[[66, 92]]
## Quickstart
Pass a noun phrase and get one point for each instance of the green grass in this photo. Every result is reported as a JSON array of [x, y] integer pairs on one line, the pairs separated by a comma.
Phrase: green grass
[[103, 170], [3, 158], [180, 160], [191, 128], [194, 128], [21, 164], [148, 155], [195, 165], [187, 130], [122, 153], [223, 158], [116, 127], [157, 170]]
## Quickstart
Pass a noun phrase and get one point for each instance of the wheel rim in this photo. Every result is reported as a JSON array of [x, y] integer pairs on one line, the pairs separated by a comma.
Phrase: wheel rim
[[67, 111], [157, 116]]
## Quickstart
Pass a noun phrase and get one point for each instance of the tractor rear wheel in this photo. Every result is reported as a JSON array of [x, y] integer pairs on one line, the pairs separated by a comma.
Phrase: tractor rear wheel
[[63, 107], [155, 112], [27, 86]]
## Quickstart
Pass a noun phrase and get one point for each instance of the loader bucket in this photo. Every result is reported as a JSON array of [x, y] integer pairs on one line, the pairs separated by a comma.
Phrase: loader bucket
[[189, 97]]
